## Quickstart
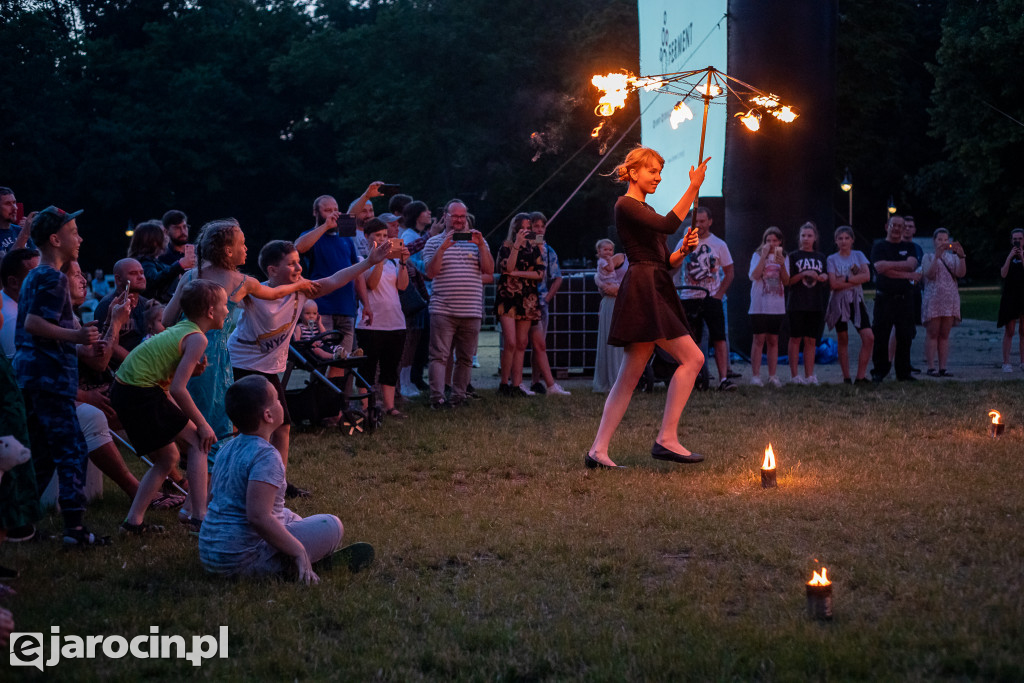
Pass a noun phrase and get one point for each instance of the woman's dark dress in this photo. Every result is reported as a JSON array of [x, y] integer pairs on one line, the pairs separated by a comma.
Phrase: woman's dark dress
[[647, 307], [1011, 303]]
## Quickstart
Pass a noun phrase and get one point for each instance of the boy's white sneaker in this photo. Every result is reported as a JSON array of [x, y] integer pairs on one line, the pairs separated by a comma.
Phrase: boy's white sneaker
[[1007, 367], [557, 389], [774, 381], [796, 379], [526, 389], [811, 381], [756, 382]]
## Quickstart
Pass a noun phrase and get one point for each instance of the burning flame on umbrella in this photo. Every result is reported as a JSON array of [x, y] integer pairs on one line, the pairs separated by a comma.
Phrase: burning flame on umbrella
[[709, 89], [996, 417], [820, 579], [680, 113], [752, 120], [769, 459]]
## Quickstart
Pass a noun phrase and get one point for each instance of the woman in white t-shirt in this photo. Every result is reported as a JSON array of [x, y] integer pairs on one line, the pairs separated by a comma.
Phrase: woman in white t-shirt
[[848, 270], [383, 338], [768, 279]]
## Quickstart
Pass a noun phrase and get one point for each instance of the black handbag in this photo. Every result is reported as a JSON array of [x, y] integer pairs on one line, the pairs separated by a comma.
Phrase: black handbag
[[412, 301]]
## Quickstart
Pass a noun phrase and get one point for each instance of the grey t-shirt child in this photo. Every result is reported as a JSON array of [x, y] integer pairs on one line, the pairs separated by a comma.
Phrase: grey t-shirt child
[[228, 544]]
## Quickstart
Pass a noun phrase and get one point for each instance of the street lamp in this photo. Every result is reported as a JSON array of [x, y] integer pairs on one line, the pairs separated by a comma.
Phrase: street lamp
[[892, 206], [847, 187]]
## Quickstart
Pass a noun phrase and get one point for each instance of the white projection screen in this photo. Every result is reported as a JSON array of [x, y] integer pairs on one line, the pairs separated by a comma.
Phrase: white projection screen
[[682, 35]]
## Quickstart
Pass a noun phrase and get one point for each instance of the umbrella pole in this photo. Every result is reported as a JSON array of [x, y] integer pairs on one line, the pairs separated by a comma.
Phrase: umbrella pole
[[703, 131]]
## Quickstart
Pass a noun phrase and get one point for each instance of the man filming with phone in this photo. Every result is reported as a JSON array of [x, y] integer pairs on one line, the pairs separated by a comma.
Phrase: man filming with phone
[[455, 261], [328, 248]]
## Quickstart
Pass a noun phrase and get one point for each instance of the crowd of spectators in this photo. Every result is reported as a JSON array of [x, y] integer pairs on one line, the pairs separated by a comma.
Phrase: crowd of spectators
[[178, 356]]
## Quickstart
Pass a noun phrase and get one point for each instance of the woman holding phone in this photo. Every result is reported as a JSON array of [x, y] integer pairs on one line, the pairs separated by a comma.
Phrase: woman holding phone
[[647, 310], [940, 306]]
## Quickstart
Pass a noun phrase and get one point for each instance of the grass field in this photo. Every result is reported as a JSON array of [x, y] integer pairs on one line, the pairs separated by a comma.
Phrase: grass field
[[500, 558]]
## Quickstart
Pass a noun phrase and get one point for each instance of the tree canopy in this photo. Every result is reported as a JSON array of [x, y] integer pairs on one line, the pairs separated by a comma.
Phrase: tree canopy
[[230, 107]]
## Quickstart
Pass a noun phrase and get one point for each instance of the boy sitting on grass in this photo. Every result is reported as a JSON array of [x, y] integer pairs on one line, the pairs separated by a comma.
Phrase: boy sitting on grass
[[155, 424], [248, 530]]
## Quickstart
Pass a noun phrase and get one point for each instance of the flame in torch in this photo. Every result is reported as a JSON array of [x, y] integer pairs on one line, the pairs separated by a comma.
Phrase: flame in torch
[[769, 459], [820, 579], [996, 417]]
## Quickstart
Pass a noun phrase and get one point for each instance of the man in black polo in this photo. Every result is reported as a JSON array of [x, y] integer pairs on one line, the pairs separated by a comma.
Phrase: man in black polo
[[895, 267]]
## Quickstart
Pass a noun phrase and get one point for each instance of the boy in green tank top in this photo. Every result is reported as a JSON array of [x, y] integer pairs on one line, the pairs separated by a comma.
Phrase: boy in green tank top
[[151, 399]]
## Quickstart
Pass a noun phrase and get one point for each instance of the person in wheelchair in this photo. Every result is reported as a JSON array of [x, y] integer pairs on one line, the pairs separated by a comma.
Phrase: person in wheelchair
[[259, 343]]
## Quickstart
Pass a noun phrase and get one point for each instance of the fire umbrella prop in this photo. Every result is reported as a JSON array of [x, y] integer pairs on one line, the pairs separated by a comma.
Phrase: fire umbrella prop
[[706, 84]]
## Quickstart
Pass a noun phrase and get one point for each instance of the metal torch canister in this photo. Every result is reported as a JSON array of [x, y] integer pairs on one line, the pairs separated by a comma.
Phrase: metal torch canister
[[819, 602]]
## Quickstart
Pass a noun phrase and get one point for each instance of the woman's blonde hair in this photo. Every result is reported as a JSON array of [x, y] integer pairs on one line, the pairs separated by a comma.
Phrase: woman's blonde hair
[[638, 156]]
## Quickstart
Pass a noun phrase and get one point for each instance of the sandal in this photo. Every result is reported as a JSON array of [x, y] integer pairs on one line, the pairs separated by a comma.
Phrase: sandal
[[943, 373], [81, 536], [932, 372], [395, 413], [167, 501], [140, 529]]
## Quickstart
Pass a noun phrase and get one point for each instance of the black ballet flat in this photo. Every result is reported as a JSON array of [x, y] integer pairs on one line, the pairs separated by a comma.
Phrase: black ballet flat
[[659, 452], [593, 464]]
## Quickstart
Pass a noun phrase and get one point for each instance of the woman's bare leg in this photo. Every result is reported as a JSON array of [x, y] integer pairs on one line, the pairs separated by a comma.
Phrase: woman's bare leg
[[685, 352], [867, 344], [843, 343], [634, 361], [755, 355]]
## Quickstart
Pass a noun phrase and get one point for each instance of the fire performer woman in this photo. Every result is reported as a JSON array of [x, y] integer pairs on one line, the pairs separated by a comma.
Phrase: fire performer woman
[[647, 311]]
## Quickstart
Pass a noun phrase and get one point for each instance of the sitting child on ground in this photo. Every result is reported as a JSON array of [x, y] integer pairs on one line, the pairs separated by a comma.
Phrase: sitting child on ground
[[248, 530], [309, 327], [155, 424]]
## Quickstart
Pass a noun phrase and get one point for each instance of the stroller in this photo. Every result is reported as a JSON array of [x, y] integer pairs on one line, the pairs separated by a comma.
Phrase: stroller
[[662, 366], [324, 397]]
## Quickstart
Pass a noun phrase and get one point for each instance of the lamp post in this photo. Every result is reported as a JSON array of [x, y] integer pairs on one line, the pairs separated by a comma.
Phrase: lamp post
[[847, 187], [892, 208]]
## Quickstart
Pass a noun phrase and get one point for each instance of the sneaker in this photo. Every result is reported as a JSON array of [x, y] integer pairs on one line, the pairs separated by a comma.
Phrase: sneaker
[[471, 393], [1009, 368], [847, 380], [538, 388], [557, 390], [356, 557], [504, 390], [476, 363], [194, 526], [440, 404], [732, 374], [81, 537], [774, 381], [796, 379], [726, 385], [409, 390], [22, 534], [293, 491], [526, 392], [811, 381], [756, 382]]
